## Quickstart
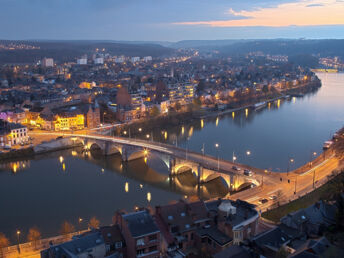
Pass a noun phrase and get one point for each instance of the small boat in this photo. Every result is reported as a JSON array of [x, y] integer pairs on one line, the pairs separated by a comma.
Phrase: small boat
[[327, 144], [259, 105]]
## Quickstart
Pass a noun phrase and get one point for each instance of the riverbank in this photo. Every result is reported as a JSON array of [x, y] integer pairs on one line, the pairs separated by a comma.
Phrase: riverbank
[[44, 147], [144, 127]]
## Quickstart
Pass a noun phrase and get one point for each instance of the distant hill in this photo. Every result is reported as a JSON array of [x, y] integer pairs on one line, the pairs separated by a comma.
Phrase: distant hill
[[204, 44], [326, 47], [63, 51]]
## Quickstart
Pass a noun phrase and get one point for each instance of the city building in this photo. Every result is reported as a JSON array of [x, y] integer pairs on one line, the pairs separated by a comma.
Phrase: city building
[[99, 60], [114, 242], [82, 61], [91, 244], [147, 58], [237, 219], [47, 62], [12, 134], [141, 234], [135, 59]]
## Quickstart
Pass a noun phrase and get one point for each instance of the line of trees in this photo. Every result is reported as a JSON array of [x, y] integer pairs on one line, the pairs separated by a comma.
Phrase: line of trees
[[34, 234]]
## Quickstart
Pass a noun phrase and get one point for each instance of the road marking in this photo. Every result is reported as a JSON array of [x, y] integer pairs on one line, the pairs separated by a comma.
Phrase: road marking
[[322, 163], [273, 191]]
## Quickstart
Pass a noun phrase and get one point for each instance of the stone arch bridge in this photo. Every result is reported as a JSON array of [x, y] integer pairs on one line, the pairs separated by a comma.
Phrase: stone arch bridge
[[205, 168]]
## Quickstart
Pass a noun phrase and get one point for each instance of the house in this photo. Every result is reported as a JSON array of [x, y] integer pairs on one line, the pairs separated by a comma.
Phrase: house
[[141, 233], [12, 133], [114, 241], [237, 219], [180, 222], [311, 220], [84, 246]]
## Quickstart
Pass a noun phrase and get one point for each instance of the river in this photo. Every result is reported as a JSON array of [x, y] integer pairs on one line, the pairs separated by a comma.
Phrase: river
[[64, 186]]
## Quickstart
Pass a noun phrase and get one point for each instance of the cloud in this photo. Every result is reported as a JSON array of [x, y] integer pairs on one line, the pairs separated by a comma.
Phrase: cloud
[[330, 12], [314, 5]]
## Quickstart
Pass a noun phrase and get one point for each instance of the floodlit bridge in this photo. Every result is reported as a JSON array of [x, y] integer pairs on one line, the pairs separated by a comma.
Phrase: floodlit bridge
[[204, 168]]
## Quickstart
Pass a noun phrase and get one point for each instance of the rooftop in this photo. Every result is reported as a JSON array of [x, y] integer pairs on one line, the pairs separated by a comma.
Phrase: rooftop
[[140, 223]]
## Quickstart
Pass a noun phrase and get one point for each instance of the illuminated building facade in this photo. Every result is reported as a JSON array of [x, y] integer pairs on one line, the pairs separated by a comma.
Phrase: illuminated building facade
[[12, 134]]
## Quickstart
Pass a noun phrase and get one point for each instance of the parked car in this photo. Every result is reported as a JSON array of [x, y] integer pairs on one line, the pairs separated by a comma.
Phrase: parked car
[[236, 168], [248, 172], [262, 201], [273, 197]]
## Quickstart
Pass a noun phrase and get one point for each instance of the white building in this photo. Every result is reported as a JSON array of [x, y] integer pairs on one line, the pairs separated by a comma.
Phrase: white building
[[120, 59], [47, 62], [147, 58], [82, 61], [99, 60], [13, 134], [135, 59]]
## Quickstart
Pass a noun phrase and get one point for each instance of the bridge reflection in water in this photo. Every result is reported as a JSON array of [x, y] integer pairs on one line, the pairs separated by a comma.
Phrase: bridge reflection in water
[[152, 170]]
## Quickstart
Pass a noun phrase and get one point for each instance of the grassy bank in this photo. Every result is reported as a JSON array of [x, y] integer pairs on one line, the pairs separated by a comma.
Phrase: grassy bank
[[325, 192]]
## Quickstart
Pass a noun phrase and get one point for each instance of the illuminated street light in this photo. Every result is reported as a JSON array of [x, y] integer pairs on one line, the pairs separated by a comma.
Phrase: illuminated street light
[[147, 136], [125, 132], [291, 160], [18, 236], [140, 129], [61, 159], [218, 157], [248, 153]]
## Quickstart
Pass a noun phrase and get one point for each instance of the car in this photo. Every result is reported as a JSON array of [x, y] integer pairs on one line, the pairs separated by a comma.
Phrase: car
[[273, 197], [236, 168], [248, 172], [262, 201]]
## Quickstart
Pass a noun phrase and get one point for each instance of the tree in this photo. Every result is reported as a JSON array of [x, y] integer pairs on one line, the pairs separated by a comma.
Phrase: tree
[[177, 106], [67, 228], [265, 89], [4, 242], [279, 195], [94, 223], [34, 235], [282, 253], [154, 111], [197, 103], [200, 87]]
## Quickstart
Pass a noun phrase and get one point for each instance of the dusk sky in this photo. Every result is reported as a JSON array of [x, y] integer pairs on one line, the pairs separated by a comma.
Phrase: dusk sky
[[170, 20]]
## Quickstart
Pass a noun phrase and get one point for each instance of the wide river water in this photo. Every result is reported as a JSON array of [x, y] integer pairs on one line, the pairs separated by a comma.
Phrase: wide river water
[[64, 186]]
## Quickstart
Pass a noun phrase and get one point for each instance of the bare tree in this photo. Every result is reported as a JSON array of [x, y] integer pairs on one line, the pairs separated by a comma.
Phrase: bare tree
[[4, 242], [279, 195], [34, 235], [94, 223], [67, 228]]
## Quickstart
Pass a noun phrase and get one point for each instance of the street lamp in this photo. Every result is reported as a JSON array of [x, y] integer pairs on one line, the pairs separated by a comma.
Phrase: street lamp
[[18, 235], [147, 136], [234, 158], [80, 220], [248, 153], [311, 158], [289, 161], [218, 157], [140, 129]]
